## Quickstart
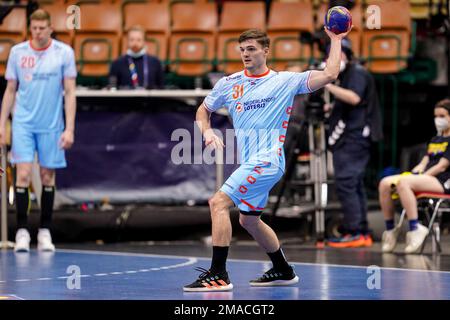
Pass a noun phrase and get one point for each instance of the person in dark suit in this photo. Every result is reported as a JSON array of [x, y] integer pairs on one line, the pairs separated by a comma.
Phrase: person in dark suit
[[136, 69]]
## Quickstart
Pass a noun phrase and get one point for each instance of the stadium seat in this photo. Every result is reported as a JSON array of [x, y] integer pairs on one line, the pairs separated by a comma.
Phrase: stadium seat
[[386, 50], [192, 41], [236, 17], [155, 19], [12, 31], [59, 16], [96, 44], [286, 21]]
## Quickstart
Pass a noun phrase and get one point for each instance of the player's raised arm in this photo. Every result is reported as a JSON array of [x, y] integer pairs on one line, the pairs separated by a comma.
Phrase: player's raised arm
[[319, 79]]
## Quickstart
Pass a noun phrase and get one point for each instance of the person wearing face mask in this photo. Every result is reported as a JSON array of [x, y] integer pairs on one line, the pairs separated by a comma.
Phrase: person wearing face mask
[[354, 122], [432, 174], [136, 69]]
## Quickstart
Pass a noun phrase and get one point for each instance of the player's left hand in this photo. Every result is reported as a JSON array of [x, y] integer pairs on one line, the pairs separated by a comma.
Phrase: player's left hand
[[334, 36], [66, 140]]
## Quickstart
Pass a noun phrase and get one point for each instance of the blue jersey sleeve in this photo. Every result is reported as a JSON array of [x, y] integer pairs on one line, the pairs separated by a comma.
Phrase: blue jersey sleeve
[[216, 98], [301, 82], [69, 67], [11, 67]]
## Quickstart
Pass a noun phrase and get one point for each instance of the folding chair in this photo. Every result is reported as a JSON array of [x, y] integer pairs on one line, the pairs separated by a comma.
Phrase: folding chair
[[437, 203]]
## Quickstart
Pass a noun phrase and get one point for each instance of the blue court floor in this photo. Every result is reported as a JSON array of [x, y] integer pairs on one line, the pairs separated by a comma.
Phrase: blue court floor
[[111, 275]]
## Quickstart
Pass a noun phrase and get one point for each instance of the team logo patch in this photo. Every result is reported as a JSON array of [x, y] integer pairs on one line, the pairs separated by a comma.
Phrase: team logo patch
[[28, 77], [239, 107]]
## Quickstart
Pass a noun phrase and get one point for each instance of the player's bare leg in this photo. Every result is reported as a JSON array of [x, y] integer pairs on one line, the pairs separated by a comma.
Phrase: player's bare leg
[[216, 278], [281, 273]]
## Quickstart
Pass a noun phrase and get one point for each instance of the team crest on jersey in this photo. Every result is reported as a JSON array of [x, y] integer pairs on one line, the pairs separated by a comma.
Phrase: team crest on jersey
[[239, 107], [28, 77]]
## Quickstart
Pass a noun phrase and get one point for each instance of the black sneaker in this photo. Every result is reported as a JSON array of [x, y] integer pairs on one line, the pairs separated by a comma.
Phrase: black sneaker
[[208, 281], [275, 277]]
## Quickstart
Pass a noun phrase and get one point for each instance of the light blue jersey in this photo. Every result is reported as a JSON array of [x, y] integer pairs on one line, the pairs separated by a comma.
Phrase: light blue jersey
[[260, 108], [40, 74]]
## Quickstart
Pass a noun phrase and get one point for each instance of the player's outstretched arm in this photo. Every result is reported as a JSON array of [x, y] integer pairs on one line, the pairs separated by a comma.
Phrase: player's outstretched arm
[[70, 107], [319, 79], [203, 121], [7, 104]]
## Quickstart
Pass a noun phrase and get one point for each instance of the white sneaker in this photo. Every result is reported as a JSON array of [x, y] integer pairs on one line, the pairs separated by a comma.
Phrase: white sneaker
[[414, 239], [45, 240], [22, 241], [389, 240]]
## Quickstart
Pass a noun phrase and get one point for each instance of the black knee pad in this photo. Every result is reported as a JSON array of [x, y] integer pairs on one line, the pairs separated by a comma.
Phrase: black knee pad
[[251, 213]]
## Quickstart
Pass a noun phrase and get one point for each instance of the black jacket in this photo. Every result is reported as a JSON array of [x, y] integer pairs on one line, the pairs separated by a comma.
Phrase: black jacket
[[120, 72]]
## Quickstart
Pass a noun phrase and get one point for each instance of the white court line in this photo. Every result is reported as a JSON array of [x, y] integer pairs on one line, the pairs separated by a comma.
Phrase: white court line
[[242, 260], [190, 261]]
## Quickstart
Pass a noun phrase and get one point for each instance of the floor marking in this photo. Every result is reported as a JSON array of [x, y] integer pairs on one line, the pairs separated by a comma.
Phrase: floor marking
[[190, 261], [238, 260]]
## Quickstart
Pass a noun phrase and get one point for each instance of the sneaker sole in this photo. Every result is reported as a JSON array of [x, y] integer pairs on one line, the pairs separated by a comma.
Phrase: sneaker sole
[[44, 248], [275, 283], [205, 289], [354, 244]]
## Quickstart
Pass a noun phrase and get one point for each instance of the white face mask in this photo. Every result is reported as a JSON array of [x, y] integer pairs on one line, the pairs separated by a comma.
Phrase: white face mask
[[441, 124], [138, 54]]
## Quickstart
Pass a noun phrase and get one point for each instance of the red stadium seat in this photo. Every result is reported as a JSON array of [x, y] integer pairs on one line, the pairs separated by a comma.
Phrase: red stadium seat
[[237, 17], [286, 21], [96, 43], [58, 14], [387, 49], [12, 31], [192, 41], [155, 19]]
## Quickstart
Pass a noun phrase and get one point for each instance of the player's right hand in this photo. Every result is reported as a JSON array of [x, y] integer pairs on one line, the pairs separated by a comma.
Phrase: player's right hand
[[2, 136], [211, 139]]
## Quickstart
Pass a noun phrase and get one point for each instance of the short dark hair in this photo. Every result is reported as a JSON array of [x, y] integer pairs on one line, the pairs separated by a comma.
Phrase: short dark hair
[[40, 15], [445, 104], [255, 34]]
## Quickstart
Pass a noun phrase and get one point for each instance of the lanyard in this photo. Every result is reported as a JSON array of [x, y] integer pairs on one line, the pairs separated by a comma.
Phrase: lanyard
[[134, 74]]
